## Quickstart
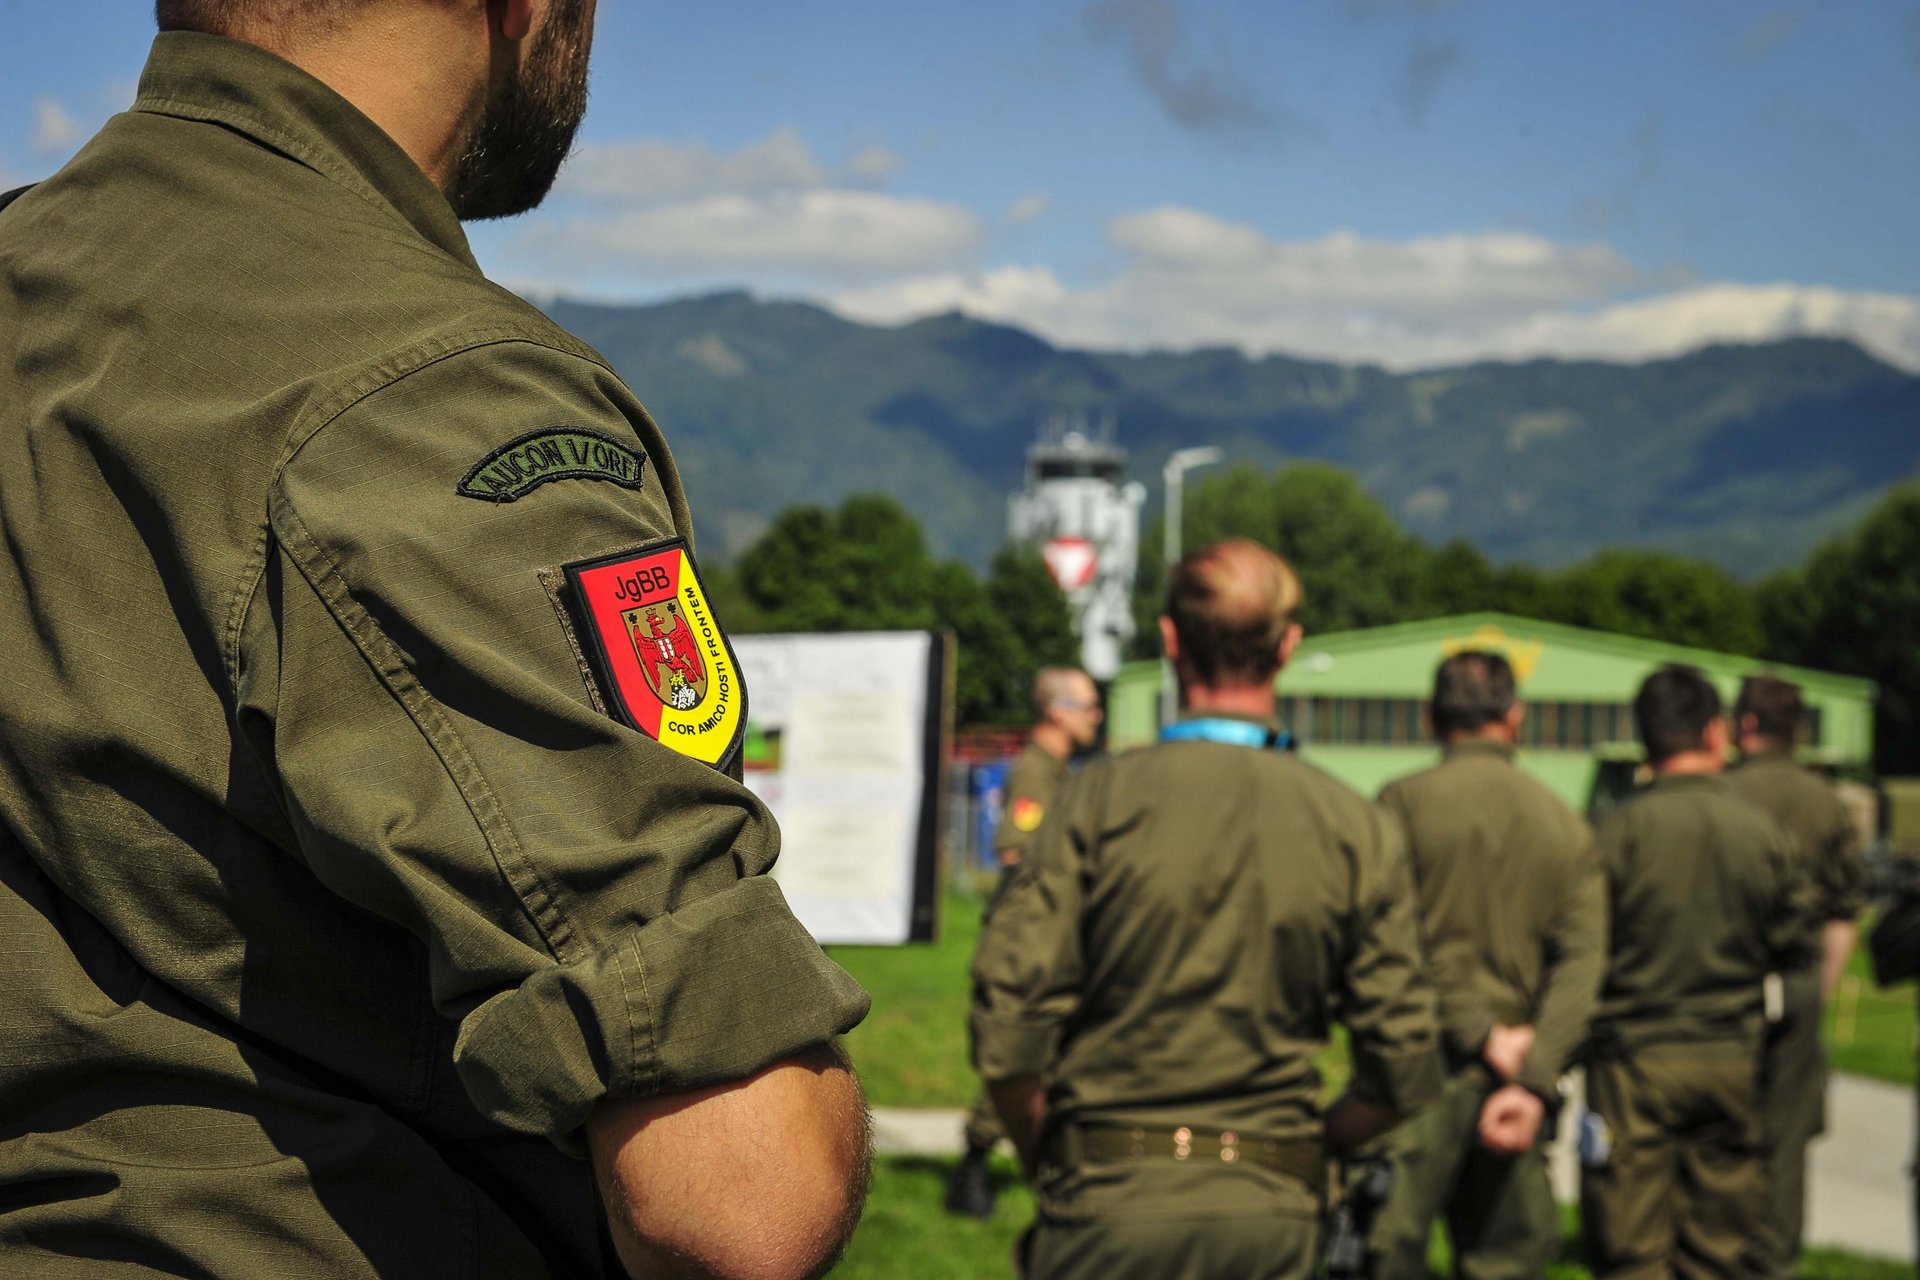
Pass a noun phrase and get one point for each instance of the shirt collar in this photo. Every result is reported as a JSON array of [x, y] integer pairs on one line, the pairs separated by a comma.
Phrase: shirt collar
[[1271, 723], [1685, 781], [201, 77], [1478, 747], [1772, 755]]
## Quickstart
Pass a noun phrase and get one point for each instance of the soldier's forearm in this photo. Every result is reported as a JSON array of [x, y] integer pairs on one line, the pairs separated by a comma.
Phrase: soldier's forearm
[[1022, 1104], [1836, 947]]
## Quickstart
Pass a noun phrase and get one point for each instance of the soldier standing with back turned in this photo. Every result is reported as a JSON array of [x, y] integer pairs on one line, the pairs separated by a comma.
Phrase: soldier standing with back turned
[[1066, 706], [1767, 720], [1513, 911], [1171, 954], [1707, 898]]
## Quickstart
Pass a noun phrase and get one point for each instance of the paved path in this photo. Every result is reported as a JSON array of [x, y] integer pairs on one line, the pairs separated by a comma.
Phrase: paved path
[[1859, 1201], [1860, 1197]]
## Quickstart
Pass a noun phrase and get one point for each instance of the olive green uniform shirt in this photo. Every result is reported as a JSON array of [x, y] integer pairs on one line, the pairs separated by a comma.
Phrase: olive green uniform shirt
[[1805, 807], [1513, 904], [330, 902], [1033, 781], [1192, 920], [1706, 897]]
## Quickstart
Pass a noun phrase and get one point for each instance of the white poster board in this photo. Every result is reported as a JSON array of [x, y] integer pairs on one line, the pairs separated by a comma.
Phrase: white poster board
[[844, 743]]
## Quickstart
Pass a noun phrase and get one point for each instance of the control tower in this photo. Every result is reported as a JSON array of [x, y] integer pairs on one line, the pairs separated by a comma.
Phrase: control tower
[[1084, 515]]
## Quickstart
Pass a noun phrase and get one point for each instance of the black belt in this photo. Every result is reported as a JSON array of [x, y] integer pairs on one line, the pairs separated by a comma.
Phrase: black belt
[[1303, 1159]]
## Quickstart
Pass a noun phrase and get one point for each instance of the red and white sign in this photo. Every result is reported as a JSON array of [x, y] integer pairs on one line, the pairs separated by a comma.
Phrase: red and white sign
[[1071, 561]]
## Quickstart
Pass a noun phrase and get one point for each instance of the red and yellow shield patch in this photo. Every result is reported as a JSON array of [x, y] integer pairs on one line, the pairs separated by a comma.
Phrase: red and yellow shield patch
[[662, 659], [1027, 814]]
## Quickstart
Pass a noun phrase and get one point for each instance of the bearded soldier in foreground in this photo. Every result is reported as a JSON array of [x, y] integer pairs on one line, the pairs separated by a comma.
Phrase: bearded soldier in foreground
[[359, 880]]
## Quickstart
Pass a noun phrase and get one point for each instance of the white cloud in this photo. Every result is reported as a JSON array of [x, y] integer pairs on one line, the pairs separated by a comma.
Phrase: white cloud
[[836, 234], [652, 171], [1240, 269], [1027, 208], [874, 164], [768, 209], [1192, 280], [1887, 324], [54, 128]]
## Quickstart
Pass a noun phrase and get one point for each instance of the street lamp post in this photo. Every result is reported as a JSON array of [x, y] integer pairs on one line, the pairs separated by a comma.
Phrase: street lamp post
[[1179, 462]]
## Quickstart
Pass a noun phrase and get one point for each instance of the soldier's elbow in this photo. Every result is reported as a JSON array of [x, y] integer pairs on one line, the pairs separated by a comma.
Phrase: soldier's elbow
[[762, 1180]]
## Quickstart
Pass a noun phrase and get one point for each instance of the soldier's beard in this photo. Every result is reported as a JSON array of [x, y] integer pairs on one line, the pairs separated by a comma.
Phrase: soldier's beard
[[526, 131]]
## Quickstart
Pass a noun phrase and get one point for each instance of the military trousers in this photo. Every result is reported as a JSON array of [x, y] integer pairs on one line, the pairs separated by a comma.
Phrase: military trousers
[[983, 1128], [1162, 1219], [1272, 1248], [1681, 1189], [1796, 1114], [1498, 1209]]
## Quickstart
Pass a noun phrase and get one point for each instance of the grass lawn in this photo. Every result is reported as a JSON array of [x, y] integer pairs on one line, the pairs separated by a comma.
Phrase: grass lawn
[[912, 1049], [1870, 1029], [906, 1234]]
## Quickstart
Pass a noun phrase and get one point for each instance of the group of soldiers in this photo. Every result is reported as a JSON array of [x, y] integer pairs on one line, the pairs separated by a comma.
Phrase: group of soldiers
[[1179, 928]]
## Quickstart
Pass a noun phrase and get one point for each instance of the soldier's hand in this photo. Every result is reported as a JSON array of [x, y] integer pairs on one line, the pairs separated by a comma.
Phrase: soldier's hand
[[1507, 1048], [1510, 1120]]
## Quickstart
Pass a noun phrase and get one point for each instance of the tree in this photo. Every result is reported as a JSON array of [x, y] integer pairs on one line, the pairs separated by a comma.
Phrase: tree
[[992, 671], [866, 568], [1661, 596], [1855, 608], [1357, 567], [1022, 590]]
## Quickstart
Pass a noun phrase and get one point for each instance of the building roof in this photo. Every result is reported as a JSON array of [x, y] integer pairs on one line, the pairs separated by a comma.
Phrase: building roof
[[1551, 660]]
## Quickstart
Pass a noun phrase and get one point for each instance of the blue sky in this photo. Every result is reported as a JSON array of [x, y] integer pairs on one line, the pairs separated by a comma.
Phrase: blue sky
[[1409, 181]]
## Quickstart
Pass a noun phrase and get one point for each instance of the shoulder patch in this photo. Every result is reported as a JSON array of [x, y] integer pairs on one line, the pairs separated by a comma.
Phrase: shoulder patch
[[662, 660], [526, 462], [1027, 814]]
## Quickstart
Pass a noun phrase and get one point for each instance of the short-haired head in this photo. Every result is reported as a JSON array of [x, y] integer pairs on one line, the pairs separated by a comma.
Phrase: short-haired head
[[1066, 705], [1673, 710], [1231, 606], [1771, 708], [1472, 690], [1062, 686]]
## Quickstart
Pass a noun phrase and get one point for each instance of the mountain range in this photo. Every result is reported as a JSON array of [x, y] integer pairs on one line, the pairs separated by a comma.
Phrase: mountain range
[[1746, 455]]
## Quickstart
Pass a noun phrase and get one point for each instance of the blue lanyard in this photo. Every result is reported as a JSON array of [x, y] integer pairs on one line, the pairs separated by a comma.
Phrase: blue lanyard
[[1237, 733]]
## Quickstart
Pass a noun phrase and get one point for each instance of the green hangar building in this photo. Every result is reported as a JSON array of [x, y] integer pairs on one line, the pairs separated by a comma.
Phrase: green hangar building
[[1355, 701]]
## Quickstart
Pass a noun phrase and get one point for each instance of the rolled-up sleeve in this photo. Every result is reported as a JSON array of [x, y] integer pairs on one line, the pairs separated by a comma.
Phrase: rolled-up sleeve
[[595, 905], [1387, 999], [1028, 967]]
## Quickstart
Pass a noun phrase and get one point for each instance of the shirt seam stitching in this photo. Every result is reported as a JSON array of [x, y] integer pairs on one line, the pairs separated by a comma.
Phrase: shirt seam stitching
[[536, 896], [401, 366]]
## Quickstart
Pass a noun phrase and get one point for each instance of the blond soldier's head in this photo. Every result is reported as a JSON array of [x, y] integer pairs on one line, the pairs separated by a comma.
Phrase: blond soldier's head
[[1229, 616], [1065, 698]]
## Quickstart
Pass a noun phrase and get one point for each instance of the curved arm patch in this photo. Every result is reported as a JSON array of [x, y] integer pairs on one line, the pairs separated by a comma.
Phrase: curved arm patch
[[526, 462], [662, 660]]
